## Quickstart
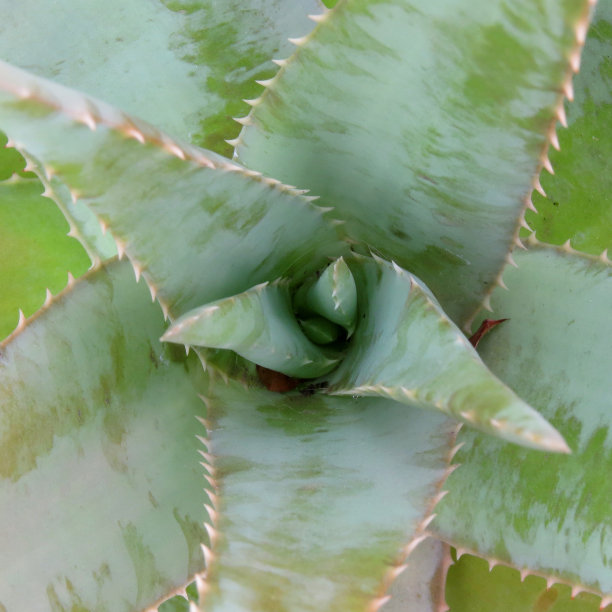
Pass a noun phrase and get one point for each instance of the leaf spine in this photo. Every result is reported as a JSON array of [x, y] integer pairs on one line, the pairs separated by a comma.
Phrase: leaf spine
[[243, 120], [48, 297], [212, 533], [174, 149], [233, 142], [554, 140], [574, 59], [280, 62], [120, 248], [252, 102], [568, 89], [70, 280], [208, 556], [298, 42], [265, 82], [132, 132], [538, 187], [561, 116], [605, 602], [409, 548], [378, 603], [21, 322], [318, 18], [576, 590], [547, 165], [88, 119], [510, 260]]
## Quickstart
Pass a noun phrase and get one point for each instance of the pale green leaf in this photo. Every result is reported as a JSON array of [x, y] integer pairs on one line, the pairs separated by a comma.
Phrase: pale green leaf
[[99, 474], [184, 65], [334, 295], [549, 513], [258, 324], [424, 125], [319, 497], [198, 227], [407, 349], [578, 206]]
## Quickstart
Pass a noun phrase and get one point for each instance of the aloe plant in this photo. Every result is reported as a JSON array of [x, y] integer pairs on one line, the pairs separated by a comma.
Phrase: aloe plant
[[258, 396]]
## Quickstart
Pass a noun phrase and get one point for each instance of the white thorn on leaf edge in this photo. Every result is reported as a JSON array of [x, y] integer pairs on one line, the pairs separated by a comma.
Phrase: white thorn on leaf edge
[[22, 321], [538, 186], [547, 165], [568, 89], [318, 18], [153, 291], [605, 602], [500, 283], [243, 120], [88, 120], [574, 60], [554, 140], [212, 533], [132, 132], [604, 256], [174, 149], [486, 303], [48, 192], [460, 552], [208, 556], [252, 101], [550, 581], [523, 574], [120, 248], [10, 144], [492, 564], [518, 242], [529, 204], [561, 116], [511, 261], [576, 590], [48, 297], [280, 62], [298, 42], [378, 603], [265, 82], [581, 31], [233, 142], [70, 280], [212, 513]]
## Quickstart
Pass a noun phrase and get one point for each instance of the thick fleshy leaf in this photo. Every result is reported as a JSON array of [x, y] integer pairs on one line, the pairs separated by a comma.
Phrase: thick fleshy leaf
[[197, 227], [35, 253], [99, 477], [473, 587], [407, 349], [334, 295], [548, 513], [258, 324], [578, 206], [184, 65], [424, 124], [320, 498]]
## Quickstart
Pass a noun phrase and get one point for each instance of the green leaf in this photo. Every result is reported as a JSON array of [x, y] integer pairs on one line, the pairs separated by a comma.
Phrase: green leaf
[[548, 513], [198, 227], [578, 206], [407, 349], [473, 587], [184, 65], [98, 456], [334, 295], [312, 515], [259, 325], [424, 125], [35, 253]]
